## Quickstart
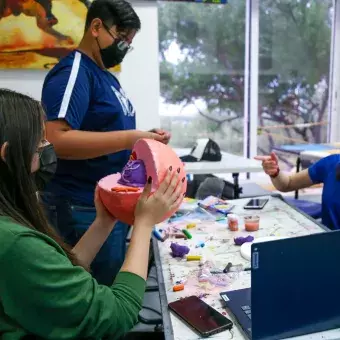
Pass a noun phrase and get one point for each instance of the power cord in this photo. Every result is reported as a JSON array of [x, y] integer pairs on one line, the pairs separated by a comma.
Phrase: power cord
[[231, 333], [150, 321]]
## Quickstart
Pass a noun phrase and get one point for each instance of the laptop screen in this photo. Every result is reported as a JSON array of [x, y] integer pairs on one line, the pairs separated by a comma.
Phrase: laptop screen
[[295, 286]]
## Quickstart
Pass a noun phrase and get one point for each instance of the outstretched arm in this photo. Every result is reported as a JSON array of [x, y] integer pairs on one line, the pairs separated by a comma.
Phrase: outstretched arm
[[281, 181]]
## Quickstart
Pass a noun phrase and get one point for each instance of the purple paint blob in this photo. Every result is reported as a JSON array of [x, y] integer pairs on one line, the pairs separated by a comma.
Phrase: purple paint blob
[[240, 240], [133, 174], [178, 250]]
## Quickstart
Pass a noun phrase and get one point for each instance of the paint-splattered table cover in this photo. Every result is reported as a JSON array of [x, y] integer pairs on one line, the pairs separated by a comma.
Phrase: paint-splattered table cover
[[276, 219]]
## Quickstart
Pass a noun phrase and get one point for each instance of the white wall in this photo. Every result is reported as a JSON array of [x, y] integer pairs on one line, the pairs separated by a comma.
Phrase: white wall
[[139, 76]]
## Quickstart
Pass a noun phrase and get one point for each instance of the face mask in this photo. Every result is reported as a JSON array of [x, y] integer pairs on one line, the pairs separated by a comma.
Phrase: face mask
[[48, 166], [114, 54]]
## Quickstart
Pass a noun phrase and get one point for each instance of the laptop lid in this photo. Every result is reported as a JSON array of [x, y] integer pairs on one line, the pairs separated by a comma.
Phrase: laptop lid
[[295, 286]]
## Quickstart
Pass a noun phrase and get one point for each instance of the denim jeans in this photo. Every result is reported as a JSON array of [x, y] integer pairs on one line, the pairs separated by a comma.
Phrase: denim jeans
[[72, 221]]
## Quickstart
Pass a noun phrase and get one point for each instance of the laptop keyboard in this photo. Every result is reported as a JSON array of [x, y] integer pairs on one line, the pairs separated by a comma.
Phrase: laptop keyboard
[[247, 310]]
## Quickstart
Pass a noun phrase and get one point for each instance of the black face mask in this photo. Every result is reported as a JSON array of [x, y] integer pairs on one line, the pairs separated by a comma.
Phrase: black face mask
[[48, 166], [113, 55]]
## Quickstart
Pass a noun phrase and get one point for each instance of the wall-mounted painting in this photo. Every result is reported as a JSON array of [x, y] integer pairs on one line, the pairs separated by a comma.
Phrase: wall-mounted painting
[[35, 34]]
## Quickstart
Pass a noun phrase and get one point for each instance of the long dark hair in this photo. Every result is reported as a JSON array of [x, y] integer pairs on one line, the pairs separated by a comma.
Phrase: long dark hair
[[21, 128]]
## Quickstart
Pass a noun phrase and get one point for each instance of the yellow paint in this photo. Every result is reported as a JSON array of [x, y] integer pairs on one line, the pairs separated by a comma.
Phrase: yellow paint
[[193, 257]]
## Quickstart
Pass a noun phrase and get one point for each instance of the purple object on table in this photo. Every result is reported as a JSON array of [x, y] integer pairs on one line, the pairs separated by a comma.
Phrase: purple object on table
[[133, 174], [178, 250], [240, 240]]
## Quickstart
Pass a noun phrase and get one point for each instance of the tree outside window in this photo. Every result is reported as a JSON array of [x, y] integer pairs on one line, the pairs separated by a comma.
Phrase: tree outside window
[[202, 53]]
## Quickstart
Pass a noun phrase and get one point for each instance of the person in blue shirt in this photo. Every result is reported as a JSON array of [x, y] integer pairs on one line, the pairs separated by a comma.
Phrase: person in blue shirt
[[326, 171], [92, 126]]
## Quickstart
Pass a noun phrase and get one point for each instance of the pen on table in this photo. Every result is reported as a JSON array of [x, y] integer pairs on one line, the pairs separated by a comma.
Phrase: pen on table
[[200, 244], [230, 268], [227, 268], [187, 234], [194, 257], [159, 236]]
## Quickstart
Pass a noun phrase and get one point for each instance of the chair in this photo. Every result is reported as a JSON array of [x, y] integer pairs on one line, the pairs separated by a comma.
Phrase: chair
[[150, 326]]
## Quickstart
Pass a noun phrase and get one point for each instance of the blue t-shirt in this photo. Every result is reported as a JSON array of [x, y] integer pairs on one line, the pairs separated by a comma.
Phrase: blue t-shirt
[[88, 99], [324, 171]]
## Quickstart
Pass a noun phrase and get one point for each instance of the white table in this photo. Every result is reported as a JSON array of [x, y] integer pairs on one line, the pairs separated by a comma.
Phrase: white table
[[277, 219], [230, 164]]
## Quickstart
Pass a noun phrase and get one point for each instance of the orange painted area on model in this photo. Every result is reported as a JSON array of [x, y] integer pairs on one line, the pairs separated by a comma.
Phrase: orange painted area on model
[[124, 189]]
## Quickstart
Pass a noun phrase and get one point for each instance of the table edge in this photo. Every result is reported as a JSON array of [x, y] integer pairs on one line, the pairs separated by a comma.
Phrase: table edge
[[167, 324]]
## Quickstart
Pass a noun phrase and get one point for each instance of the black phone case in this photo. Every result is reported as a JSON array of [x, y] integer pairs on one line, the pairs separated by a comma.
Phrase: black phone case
[[254, 208], [221, 329]]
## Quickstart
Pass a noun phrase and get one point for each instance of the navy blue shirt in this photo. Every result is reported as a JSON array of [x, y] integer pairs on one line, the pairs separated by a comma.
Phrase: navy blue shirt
[[88, 99], [324, 171]]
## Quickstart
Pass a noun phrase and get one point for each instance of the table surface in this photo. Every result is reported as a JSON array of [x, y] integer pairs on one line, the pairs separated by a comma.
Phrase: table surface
[[316, 155], [298, 148], [229, 164], [277, 219]]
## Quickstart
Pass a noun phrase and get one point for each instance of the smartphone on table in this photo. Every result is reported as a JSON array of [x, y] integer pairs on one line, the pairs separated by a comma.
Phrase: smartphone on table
[[256, 203], [200, 316]]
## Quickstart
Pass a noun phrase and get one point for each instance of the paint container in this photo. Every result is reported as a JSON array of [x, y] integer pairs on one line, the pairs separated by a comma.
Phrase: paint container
[[232, 222], [252, 223]]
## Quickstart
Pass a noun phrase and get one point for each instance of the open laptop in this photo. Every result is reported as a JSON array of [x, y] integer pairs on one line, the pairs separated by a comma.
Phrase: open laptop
[[295, 288]]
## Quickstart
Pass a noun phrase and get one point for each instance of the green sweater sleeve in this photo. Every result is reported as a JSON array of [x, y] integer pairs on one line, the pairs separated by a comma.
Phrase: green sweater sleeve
[[46, 295]]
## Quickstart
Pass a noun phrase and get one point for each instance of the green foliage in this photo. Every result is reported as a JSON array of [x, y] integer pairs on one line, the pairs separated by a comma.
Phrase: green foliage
[[294, 59]]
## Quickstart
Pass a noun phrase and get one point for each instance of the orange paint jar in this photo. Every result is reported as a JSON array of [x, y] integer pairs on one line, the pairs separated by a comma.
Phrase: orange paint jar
[[232, 222], [252, 223]]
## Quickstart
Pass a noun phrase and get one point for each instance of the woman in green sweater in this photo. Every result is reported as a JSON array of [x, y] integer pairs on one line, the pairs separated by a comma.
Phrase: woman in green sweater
[[45, 290]]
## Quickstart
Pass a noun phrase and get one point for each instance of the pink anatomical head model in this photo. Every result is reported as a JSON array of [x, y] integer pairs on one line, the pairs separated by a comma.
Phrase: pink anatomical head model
[[120, 192]]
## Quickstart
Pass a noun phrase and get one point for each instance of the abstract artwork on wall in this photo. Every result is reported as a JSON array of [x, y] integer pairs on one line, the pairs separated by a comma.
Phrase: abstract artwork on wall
[[35, 34]]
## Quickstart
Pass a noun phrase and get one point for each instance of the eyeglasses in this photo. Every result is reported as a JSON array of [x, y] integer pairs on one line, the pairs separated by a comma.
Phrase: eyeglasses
[[122, 44]]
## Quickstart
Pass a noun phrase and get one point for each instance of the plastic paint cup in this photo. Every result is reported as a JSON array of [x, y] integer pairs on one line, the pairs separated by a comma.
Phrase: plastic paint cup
[[252, 223], [232, 222]]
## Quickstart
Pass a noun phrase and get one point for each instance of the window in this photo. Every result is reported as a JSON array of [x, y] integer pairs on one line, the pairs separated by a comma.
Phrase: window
[[294, 64], [202, 70], [202, 53]]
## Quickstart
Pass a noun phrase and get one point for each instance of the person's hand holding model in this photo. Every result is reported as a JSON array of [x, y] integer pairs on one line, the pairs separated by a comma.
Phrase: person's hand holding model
[[151, 209], [164, 135]]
